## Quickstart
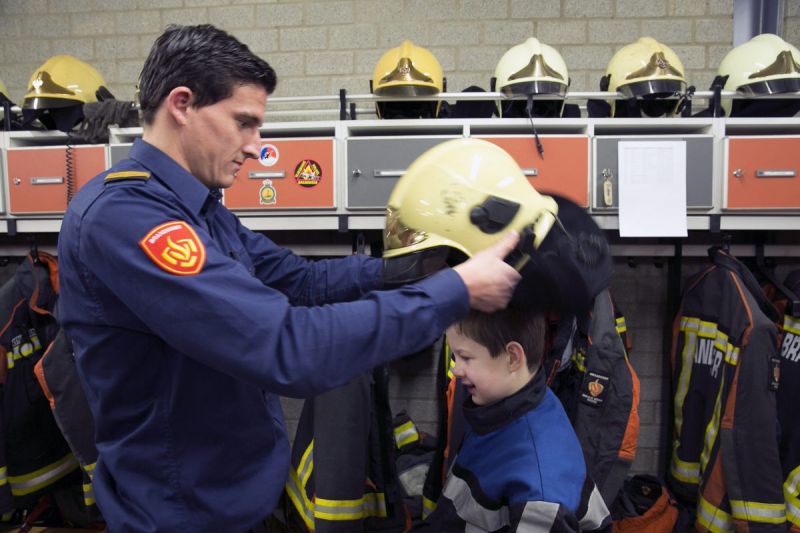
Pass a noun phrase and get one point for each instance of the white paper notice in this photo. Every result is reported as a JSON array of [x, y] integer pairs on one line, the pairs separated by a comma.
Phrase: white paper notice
[[652, 189]]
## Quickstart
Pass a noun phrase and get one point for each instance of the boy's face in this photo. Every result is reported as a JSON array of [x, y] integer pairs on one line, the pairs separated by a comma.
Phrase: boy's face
[[487, 379]]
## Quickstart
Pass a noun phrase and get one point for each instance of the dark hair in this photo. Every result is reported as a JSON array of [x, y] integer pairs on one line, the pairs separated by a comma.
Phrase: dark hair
[[203, 58], [524, 325]]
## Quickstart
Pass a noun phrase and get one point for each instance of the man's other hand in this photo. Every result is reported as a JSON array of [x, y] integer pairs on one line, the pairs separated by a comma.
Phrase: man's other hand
[[489, 279]]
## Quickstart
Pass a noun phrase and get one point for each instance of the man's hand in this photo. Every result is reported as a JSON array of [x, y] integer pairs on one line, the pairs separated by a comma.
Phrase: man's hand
[[490, 280]]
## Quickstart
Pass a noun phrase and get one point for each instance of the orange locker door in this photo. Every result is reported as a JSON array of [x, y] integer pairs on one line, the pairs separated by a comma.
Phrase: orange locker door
[[564, 170], [289, 174], [37, 177], [763, 173]]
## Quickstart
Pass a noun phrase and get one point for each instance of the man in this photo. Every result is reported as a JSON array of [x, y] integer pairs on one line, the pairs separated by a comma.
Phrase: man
[[186, 325]]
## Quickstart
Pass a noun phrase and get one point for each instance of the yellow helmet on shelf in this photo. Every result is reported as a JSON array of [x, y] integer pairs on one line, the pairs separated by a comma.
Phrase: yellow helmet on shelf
[[4, 96], [532, 68], [456, 199], [407, 70], [62, 81], [650, 72], [766, 64]]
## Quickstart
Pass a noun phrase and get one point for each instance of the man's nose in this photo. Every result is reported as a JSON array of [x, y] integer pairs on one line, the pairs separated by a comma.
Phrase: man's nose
[[252, 145]]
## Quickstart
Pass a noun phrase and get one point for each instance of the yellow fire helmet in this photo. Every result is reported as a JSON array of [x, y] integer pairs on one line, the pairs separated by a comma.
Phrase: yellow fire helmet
[[62, 81], [650, 72], [766, 64], [532, 68], [407, 70], [462, 196]]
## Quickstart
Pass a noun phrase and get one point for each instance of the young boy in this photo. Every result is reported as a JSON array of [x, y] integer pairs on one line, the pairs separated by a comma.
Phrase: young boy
[[520, 467]]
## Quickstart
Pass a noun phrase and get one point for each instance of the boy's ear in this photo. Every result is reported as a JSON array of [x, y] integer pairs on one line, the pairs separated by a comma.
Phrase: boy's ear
[[516, 356]]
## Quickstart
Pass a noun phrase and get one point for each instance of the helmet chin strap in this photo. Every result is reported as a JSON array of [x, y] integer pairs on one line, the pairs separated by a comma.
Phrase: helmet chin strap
[[529, 110]]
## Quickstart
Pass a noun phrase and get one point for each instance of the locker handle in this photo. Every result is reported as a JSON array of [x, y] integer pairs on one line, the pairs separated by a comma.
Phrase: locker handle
[[47, 180], [782, 173], [531, 172], [253, 175], [388, 173]]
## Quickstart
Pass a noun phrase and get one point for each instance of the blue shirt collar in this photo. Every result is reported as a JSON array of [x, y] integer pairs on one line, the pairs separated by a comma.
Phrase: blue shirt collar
[[188, 188]]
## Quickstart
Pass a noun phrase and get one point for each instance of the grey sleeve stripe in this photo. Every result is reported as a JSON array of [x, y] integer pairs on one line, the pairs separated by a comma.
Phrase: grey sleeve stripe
[[596, 512], [472, 512], [538, 517]]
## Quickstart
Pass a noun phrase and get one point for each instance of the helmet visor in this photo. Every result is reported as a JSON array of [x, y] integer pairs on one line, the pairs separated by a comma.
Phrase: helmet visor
[[414, 266]]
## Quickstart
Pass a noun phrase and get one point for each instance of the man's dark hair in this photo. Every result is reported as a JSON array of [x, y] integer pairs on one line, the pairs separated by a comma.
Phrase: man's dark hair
[[203, 58], [495, 330]]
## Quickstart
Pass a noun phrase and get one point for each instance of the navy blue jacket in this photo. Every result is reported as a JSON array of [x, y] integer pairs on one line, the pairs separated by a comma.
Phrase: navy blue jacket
[[182, 372], [520, 468]]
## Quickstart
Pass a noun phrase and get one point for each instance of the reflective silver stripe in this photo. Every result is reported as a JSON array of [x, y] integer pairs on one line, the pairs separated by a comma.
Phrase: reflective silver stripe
[[685, 471], [770, 513], [689, 326], [791, 324], [28, 483], [538, 516], [306, 466], [596, 512], [793, 511], [299, 498], [621, 327], [712, 518], [791, 484], [458, 492], [712, 429], [405, 434], [88, 495], [372, 504], [428, 506]]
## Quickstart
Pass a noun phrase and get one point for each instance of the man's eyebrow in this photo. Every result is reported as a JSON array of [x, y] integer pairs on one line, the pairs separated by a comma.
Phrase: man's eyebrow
[[249, 119]]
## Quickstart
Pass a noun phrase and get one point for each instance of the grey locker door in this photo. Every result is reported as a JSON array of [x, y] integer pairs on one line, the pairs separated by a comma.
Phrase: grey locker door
[[375, 165], [699, 168], [118, 152]]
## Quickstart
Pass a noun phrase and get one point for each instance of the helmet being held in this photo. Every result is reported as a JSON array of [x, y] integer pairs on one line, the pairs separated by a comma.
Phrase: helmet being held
[[649, 72], [766, 64], [407, 70], [532, 68], [462, 196]]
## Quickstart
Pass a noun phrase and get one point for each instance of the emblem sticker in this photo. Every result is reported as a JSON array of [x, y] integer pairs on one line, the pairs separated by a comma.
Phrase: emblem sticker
[[268, 155], [175, 247], [307, 173], [267, 195], [594, 389], [775, 373]]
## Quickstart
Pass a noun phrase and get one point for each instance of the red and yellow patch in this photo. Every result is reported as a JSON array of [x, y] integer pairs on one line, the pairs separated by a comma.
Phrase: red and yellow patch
[[175, 247]]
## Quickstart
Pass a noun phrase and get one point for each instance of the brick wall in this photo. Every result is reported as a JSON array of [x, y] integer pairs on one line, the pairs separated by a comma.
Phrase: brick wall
[[318, 47]]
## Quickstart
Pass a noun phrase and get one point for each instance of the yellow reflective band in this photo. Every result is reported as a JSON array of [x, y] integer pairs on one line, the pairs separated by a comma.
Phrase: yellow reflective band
[[793, 511], [685, 471], [372, 504], [405, 434], [791, 324], [89, 469], [713, 518], [580, 361], [10, 360], [299, 499], [732, 354], [450, 361], [88, 495], [712, 429], [790, 486], [3, 476], [766, 513], [689, 327], [306, 466], [621, 327], [428, 506], [41, 478]]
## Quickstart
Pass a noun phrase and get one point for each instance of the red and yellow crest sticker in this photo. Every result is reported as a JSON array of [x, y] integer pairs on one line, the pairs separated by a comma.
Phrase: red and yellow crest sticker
[[175, 247]]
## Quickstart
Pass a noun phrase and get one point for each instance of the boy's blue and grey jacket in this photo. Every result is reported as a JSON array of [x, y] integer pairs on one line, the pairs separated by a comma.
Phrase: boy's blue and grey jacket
[[520, 468]]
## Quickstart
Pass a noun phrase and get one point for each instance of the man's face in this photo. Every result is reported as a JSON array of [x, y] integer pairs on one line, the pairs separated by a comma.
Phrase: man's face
[[218, 138], [486, 379]]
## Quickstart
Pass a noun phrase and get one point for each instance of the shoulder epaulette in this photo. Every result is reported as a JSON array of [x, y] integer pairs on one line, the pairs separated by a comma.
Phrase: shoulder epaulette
[[127, 175]]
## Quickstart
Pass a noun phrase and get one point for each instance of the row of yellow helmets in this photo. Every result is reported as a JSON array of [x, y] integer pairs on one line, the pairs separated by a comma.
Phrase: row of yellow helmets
[[763, 65]]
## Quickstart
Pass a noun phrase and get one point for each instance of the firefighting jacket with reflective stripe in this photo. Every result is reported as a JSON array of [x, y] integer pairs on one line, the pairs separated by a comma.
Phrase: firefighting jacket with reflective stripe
[[58, 378], [36, 455], [520, 468], [600, 392], [342, 472], [724, 447], [788, 398]]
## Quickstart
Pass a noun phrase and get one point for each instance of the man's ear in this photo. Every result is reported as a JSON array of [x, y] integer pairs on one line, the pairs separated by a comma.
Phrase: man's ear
[[516, 356], [178, 102]]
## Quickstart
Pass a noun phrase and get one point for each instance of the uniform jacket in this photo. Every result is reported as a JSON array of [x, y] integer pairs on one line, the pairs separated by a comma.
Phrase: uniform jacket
[[183, 350], [520, 468], [36, 455], [724, 447]]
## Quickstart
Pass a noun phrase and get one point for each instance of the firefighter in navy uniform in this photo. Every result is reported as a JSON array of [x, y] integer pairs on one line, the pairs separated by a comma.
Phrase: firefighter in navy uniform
[[186, 325]]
